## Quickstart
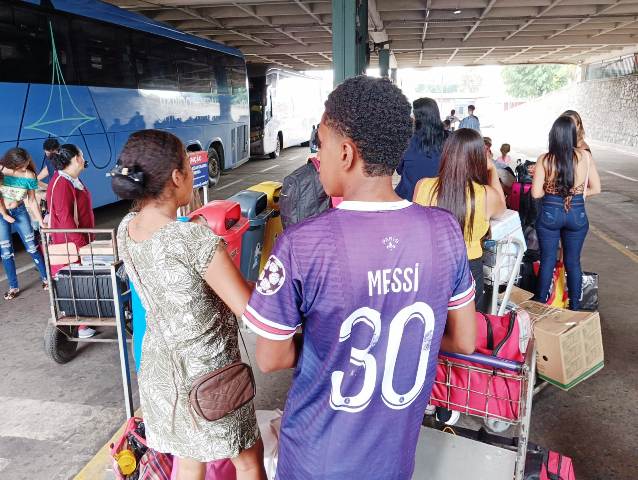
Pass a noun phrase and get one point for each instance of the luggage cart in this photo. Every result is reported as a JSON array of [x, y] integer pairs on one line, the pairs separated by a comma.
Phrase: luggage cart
[[520, 374], [94, 293], [479, 459]]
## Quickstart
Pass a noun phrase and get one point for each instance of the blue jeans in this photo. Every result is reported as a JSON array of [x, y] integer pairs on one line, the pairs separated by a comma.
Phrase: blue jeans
[[23, 226], [554, 224]]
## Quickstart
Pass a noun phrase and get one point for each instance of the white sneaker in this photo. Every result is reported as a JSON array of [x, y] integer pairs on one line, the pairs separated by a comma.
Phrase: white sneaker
[[430, 409], [454, 418], [86, 332]]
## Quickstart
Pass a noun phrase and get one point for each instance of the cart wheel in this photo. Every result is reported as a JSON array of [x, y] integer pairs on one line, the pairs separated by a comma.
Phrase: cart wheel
[[57, 345]]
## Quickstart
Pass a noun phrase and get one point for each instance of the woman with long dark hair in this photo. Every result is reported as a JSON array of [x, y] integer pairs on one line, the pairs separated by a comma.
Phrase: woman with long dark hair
[[192, 291], [18, 185], [423, 156], [564, 176], [468, 186]]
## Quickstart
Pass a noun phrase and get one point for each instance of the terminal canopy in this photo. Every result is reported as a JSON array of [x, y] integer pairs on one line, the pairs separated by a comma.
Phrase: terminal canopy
[[298, 33]]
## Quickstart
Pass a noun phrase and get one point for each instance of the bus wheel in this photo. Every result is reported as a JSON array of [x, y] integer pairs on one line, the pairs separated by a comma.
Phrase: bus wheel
[[214, 167], [277, 151]]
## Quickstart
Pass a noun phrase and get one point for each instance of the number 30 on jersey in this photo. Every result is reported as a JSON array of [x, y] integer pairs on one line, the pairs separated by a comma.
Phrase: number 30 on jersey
[[364, 359]]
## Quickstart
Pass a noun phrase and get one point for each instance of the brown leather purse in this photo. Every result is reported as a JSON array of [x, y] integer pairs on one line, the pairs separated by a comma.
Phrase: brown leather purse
[[215, 395]]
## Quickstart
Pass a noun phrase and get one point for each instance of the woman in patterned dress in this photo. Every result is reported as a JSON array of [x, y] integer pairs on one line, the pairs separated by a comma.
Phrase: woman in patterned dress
[[191, 291]]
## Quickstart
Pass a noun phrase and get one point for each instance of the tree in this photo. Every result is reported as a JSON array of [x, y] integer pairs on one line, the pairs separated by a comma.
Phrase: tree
[[528, 81]]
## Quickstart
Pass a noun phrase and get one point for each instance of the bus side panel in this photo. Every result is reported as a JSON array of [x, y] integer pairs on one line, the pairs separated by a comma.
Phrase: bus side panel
[[59, 111], [12, 97]]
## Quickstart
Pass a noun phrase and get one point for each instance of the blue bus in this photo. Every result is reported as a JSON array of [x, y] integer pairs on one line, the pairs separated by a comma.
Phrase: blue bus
[[90, 73]]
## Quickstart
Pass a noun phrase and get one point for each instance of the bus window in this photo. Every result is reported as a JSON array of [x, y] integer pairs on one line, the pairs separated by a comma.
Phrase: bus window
[[24, 47], [195, 75], [155, 67], [102, 55]]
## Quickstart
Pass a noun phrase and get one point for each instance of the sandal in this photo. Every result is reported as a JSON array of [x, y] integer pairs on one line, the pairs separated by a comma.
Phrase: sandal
[[45, 286], [12, 293]]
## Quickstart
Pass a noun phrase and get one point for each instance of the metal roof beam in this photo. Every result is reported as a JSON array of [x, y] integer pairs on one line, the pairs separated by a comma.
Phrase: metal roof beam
[[512, 57], [456, 50], [531, 20], [484, 13], [249, 10], [314, 16], [485, 55], [585, 52], [271, 60], [448, 44], [299, 59], [548, 54], [193, 13], [617, 27], [587, 19], [428, 6]]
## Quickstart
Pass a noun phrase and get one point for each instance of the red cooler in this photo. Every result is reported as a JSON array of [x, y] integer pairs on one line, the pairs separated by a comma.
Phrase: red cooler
[[224, 219]]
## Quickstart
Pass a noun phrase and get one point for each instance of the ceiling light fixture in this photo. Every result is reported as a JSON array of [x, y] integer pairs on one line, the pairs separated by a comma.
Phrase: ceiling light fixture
[[456, 12]]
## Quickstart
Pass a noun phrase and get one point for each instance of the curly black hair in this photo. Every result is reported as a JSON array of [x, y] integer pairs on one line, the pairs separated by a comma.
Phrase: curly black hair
[[375, 114]]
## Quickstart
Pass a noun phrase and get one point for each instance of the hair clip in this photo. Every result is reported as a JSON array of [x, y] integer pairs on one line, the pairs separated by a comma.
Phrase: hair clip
[[128, 172]]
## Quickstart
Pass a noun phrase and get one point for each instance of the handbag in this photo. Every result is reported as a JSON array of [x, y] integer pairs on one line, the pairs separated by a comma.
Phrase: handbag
[[589, 292], [218, 393], [63, 253]]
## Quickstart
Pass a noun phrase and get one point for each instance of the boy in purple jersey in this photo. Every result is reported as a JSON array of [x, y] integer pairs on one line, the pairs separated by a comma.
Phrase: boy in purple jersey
[[378, 285]]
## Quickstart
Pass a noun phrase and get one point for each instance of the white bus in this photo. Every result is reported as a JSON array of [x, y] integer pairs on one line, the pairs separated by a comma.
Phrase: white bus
[[284, 105]]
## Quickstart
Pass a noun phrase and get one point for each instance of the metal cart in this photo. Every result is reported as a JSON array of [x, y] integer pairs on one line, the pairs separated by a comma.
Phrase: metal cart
[[88, 289], [481, 460]]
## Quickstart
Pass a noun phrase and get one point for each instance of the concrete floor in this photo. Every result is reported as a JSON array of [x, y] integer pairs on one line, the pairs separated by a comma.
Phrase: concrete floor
[[54, 418]]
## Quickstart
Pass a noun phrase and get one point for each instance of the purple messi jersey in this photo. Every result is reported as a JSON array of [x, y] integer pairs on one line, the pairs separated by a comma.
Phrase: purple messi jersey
[[371, 284]]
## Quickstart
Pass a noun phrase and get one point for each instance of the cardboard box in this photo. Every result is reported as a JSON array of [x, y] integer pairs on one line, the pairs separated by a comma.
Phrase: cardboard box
[[569, 345]]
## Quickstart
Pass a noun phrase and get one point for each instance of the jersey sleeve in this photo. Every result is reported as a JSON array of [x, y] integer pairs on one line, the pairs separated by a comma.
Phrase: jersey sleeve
[[274, 309], [463, 286]]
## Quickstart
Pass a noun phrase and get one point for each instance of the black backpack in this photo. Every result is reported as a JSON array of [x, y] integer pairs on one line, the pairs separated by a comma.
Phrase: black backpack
[[302, 195]]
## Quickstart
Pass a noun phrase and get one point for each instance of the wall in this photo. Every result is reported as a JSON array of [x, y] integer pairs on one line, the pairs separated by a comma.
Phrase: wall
[[609, 109]]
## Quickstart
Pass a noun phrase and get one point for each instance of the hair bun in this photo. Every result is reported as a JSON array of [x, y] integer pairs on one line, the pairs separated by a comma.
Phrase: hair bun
[[127, 188]]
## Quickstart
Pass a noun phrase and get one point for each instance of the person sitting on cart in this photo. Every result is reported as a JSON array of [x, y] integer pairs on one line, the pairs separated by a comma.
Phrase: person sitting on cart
[[191, 291], [70, 207], [378, 284]]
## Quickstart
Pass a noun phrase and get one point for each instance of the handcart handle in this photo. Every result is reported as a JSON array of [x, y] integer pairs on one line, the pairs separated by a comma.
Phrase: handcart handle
[[486, 360]]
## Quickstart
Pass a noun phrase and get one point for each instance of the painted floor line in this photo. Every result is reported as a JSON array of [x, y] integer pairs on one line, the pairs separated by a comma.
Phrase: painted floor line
[[621, 176], [268, 169], [228, 185], [614, 244]]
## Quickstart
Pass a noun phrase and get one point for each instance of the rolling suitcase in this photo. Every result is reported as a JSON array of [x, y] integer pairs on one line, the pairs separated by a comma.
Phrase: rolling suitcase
[[86, 291]]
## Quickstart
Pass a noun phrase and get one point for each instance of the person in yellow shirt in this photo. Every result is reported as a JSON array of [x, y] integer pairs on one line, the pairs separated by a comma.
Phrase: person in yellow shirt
[[469, 187]]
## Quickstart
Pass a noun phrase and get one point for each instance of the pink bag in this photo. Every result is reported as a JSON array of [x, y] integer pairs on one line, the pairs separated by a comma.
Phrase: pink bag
[[514, 198], [219, 470], [557, 467], [485, 391]]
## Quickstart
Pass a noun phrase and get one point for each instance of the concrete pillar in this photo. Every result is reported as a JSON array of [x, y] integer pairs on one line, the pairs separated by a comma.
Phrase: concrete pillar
[[393, 75], [349, 32], [384, 61]]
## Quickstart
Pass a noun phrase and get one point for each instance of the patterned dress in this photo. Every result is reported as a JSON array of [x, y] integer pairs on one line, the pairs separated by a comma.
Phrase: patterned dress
[[190, 332]]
